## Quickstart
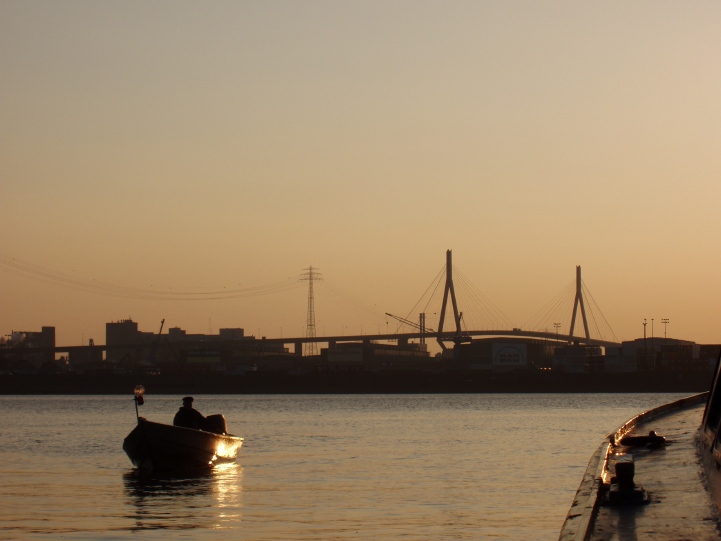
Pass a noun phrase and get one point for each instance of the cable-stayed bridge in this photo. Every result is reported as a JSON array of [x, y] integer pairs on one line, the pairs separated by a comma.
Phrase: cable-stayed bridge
[[457, 331], [444, 337], [440, 317]]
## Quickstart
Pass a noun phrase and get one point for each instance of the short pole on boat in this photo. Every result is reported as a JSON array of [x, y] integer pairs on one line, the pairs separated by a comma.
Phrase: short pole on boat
[[138, 399]]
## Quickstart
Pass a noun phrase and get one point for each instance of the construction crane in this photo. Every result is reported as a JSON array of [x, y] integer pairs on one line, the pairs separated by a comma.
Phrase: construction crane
[[152, 358], [420, 326], [411, 323]]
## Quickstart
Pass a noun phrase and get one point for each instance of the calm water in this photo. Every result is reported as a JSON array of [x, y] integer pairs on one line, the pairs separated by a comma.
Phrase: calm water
[[312, 467]]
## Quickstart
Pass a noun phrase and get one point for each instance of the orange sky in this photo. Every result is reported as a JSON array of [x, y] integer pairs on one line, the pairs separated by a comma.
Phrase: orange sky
[[193, 147]]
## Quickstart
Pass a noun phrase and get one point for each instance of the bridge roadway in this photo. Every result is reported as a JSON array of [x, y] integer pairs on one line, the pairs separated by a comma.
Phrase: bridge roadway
[[401, 338], [446, 337]]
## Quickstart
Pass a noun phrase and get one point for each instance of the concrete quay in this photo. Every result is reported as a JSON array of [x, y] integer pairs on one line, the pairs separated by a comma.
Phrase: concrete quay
[[679, 506]]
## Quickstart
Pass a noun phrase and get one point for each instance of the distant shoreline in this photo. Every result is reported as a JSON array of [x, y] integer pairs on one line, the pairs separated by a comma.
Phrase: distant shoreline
[[358, 383]]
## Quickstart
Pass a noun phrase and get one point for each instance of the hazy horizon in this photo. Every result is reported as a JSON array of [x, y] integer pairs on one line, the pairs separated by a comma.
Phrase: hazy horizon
[[198, 147]]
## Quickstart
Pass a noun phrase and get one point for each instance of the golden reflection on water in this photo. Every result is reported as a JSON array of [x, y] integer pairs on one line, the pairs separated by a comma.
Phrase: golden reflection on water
[[228, 488], [208, 498]]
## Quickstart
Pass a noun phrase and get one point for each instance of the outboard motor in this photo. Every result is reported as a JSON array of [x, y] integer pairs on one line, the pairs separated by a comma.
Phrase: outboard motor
[[215, 424]]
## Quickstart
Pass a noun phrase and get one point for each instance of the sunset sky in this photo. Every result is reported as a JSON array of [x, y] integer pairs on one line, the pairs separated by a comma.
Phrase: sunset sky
[[199, 147]]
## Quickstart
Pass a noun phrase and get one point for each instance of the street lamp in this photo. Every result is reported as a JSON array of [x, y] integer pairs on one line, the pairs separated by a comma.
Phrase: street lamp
[[644, 334], [651, 332], [653, 346], [645, 349], [665, 322], [557, 325]]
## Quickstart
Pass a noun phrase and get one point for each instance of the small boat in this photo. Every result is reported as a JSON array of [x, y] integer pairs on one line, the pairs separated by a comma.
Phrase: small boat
[[164, 447]]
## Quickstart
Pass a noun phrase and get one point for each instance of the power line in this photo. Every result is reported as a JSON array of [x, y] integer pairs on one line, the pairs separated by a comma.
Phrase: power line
[[52, 277]]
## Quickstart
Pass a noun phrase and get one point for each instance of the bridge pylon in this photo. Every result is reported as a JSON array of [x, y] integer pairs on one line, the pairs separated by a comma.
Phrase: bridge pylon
[[578, 301], [449, 289]]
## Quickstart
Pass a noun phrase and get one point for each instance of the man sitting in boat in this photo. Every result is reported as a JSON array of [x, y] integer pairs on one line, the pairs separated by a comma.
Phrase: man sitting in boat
[[188, 417]]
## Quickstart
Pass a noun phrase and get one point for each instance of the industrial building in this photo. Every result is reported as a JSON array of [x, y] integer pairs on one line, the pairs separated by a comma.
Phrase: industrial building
[[375, 357], [27, 351], [177, 350]]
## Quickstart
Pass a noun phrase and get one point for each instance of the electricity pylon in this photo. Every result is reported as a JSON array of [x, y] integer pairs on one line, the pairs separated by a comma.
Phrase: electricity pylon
[[310, 275]]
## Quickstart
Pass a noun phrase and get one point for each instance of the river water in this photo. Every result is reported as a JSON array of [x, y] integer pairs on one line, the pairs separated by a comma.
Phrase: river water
[[362, 467]]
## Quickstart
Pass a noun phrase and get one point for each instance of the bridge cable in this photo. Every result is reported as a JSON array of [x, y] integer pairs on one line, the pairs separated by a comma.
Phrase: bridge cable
[[434, 286], [488, 312], [588, 292], [557, 310]]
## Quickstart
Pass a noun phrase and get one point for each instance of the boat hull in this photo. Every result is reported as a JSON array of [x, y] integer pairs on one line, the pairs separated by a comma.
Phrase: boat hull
[[164, 447]]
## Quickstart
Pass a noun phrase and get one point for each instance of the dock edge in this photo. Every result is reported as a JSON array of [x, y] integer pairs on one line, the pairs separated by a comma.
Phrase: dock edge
[[580, 518]]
